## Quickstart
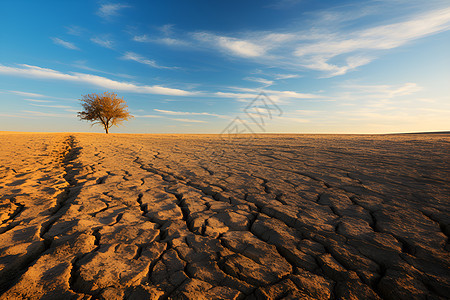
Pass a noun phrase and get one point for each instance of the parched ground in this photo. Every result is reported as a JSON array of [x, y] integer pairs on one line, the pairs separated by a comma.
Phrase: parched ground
[[90, 216]]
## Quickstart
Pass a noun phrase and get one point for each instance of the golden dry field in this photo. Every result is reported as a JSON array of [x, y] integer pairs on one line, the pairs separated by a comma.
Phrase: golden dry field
[[129, 216]]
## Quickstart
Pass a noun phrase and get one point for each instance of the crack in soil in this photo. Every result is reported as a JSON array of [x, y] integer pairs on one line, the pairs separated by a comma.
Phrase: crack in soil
[[69, 153]]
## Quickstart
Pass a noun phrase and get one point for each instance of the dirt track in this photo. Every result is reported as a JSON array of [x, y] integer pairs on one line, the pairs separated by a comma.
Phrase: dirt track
[[196, 217]]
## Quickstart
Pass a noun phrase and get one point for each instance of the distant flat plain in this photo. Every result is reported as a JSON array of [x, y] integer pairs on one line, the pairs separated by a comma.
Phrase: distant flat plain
[[137, 216]]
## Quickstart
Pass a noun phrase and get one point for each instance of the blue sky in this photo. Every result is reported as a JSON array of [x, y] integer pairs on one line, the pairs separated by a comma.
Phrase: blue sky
[[194, 66]]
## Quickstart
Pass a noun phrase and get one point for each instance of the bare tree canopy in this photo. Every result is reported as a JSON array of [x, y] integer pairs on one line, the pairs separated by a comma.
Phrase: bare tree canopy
[[105, 109]]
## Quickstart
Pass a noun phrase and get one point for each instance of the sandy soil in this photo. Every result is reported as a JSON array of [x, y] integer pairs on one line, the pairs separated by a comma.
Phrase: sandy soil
[[90, 216]]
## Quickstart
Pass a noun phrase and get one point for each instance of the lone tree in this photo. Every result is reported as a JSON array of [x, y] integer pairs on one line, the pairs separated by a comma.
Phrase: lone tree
[[106, 109]]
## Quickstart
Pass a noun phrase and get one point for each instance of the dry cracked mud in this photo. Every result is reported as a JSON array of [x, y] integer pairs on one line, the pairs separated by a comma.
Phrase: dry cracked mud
[[90, 216]]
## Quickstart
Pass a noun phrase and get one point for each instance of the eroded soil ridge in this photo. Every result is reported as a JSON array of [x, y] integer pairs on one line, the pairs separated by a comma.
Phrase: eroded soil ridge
[[87, 216]]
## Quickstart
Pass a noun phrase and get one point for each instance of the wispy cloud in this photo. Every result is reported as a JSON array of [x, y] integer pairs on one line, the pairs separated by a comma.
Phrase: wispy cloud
[[164, 36], [378, 98], [264, 81], [172, 42], [234, 46], [45, 114], [141, 38], [246, 94], [252, 45], [167, 29], [359, 45], [103, 41], [286, 76], [330, 50], [81, 64], [53, 106], [179, 113], [190, 120], [75, 30], [26, 94], [146, 116], [103, 82], [168, 113], [140, 59], [384, 90], [38, 100], [169, 41], [65, 44], [109, 10]]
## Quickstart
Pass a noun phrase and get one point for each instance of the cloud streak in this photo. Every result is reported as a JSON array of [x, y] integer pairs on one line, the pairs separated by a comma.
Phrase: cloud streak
[[103, 41], [183, 113], [168, 41], [246, 94], [38, 101], [65, 44], [317, 55], [333, 51], [103, 82], [142, 60], [54, 106], [109, 10], [230, 45], [45, 114], [27, 94], [189, 120], [264, 81]]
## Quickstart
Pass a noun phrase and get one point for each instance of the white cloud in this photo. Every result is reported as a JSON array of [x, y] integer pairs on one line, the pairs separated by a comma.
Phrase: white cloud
[[190, 120], [320, 63], [38, 101], [109, 10], [264, 81], [141, 38], [26, 94], [169, 41], [247, 94], [236, 95], [65, 44], [103, 82], [316, 55], [166, 29], [170, 112], [146, 116], [103, 41], [286, 76], [241, 47], [291, 95], [382, 91], [74, 30], [333, 50], [81, 64], [234, 46], [173, 113], [44, 114], [288, 94], [53, 106], [137, 58]]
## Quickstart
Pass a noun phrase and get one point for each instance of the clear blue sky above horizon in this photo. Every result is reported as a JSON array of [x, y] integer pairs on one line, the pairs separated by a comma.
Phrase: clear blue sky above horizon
[[374, 66]]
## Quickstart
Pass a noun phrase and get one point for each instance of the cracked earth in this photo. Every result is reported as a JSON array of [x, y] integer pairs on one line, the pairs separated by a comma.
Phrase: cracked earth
[[89, 216]]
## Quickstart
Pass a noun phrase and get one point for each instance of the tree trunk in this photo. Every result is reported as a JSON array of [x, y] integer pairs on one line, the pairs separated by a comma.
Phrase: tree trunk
[[107, 130]]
